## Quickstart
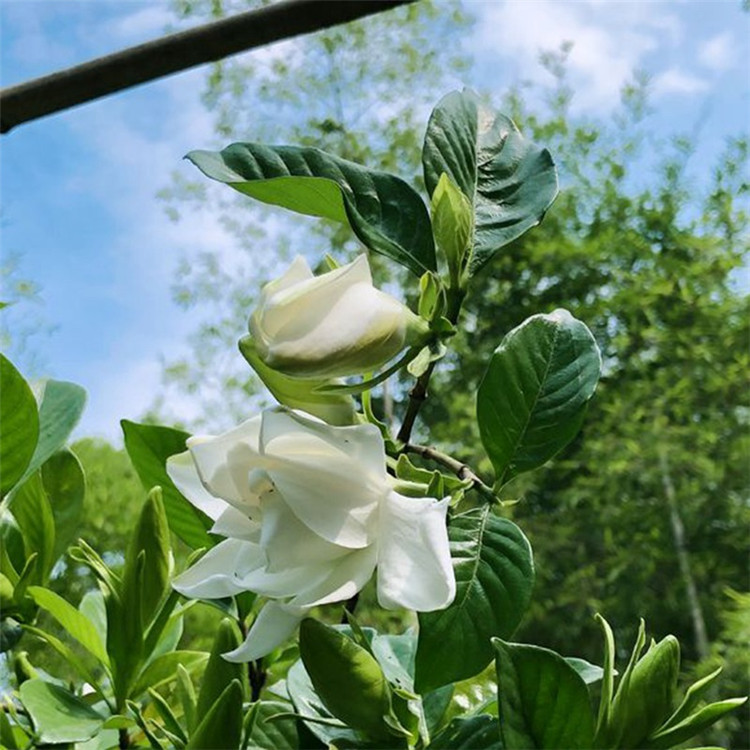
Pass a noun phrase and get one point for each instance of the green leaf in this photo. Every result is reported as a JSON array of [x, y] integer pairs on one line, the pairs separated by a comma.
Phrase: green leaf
[[610, 731], [542, 701], [151, 538], [149, 447], [494, 571], [308, 704], [471, 733], [170, 720], [60, 409], [164, 669], [650, 699], [589, 673], [58, 716], [272, 735], [94, 609], [693, 724], [19, 425], [68, 655], [7, 736], [692, 698], [185, 692], [509, 181], [65, 485], [221, 727], [219, 672], [533, 397], [31, 509], [298, 393], [386, 214], [75, 623], [348, 679], [604, 717]]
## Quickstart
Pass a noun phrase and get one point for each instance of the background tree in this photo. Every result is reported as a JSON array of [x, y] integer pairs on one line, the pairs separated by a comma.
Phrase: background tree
[[638, 245], [662, 520]]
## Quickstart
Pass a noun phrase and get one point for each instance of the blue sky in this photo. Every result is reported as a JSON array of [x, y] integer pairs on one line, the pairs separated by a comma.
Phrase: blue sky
[[78, 189]]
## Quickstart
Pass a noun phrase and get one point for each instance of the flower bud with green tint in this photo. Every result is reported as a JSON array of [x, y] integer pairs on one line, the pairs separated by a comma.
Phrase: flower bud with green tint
[[331, 325]]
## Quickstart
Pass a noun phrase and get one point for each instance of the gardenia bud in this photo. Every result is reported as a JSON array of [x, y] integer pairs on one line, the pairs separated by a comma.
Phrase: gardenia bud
[[331, 325]]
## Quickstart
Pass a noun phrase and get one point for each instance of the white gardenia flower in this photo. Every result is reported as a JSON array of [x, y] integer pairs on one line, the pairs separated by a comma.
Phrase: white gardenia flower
[[331, 325], [309, 513]]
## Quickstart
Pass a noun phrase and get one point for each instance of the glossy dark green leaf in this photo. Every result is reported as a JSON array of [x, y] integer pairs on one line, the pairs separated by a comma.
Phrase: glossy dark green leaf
[[494, 571], [58, 716], [386, 214], [31, 509], [19, 425], [149, 447], [509, 181], [307, 703], [65, 485], [60, 409], [542, 701], [533, 397], [479, 732], [221, 727], [348, 679]]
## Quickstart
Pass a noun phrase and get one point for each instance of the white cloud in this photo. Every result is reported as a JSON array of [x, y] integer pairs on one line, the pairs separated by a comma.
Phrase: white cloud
[[144, 23], [718, 53], [610, 40], [677, 82]]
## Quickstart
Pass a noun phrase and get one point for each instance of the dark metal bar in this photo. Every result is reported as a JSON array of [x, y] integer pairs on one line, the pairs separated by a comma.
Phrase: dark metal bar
[[176, 52]]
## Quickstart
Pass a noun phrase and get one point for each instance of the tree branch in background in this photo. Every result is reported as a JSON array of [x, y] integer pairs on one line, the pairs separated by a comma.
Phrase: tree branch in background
[[176, 52]]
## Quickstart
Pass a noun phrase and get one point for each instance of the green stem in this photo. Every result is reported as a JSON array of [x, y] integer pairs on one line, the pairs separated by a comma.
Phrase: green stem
[[418, 393], [461, 470]]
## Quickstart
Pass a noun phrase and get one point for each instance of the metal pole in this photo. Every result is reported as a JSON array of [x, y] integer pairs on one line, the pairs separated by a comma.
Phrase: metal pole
[[176, 52]]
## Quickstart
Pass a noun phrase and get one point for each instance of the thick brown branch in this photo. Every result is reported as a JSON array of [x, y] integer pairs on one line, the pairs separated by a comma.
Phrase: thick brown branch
[[176, 52]]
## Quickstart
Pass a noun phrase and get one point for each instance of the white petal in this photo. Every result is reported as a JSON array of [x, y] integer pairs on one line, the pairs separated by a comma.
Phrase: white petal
[[224, 463], [327, 475], [298, 271], [235, 524], [348, 575], [414, 562], [287, 542], [182, 471], [218, 573], [273, 625]]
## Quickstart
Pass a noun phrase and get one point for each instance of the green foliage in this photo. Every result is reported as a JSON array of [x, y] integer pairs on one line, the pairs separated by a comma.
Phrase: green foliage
[[149, 446], [19, 425], [531, 401], [509, 182], [57, 715], [386, 214], [494, 578], [347, 677], [542, 701]]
